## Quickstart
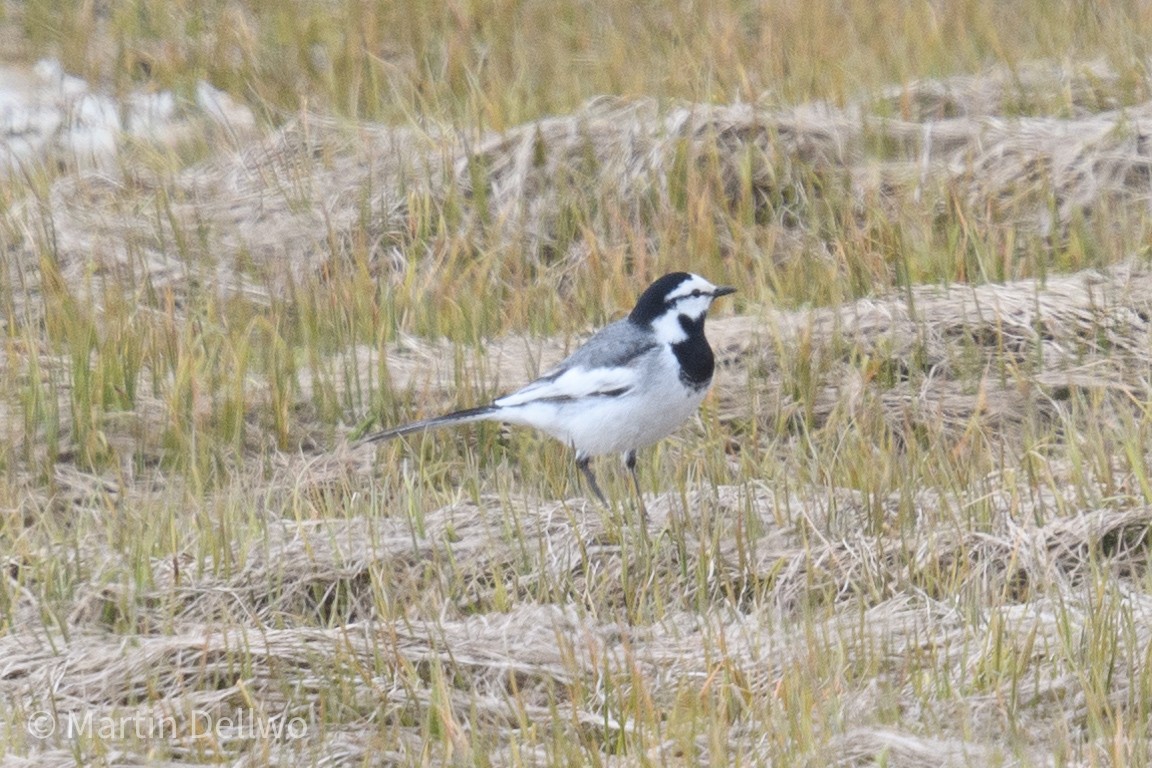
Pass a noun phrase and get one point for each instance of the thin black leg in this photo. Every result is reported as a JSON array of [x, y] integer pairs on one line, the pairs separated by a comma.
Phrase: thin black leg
[[582, 462], [630, 462]]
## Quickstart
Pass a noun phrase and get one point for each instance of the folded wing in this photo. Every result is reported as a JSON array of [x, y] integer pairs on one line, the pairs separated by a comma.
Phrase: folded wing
[[605, 366], [573, 384]]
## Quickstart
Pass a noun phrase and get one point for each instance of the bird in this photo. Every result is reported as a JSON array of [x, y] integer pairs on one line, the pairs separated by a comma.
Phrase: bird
[[629, 385]]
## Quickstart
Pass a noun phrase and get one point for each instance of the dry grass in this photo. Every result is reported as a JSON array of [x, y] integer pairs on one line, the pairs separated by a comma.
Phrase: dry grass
[[911, 527], [967, 194]]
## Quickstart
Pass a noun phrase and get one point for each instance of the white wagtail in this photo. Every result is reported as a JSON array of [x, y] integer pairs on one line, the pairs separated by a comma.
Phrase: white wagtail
[[631, 384]]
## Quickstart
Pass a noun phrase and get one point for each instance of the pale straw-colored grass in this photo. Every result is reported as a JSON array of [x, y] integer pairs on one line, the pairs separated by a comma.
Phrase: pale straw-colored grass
[[911, 527]]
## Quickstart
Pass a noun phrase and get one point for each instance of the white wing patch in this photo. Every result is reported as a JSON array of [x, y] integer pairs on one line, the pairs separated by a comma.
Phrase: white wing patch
[[572, 384]]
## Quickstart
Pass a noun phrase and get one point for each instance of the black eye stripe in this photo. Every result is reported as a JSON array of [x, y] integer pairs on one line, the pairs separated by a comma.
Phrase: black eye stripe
[[694, 295]]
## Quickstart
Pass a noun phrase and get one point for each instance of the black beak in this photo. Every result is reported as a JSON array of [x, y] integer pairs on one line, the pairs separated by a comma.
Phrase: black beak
[[722, 290]]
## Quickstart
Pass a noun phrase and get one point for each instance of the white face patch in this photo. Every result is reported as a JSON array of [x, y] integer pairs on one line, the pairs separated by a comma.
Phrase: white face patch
[[693, 285], [690, 301], [667, 328]]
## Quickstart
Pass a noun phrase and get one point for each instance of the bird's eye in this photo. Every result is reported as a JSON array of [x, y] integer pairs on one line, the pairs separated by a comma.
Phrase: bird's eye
[[696, 293]]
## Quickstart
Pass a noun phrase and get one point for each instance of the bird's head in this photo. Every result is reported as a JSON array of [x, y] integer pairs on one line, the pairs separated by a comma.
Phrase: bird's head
[[675, 304]]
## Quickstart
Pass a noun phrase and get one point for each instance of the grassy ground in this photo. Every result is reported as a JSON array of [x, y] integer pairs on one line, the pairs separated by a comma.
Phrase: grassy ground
[[912, 526]]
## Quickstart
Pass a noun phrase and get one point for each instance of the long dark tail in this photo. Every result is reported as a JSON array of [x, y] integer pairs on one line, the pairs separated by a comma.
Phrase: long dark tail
[[449, 419]]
